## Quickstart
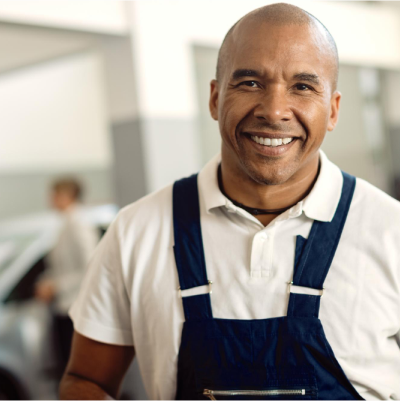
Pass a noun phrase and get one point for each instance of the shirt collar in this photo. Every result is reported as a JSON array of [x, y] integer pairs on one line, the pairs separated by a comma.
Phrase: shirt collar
[[320, 204], [208, 185]]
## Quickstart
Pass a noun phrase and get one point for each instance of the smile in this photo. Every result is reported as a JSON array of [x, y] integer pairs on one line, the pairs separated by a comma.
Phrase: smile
[[271, 142]]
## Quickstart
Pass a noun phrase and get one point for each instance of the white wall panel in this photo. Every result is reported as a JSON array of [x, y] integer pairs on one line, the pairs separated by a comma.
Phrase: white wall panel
[[97, 16], [53, 116]]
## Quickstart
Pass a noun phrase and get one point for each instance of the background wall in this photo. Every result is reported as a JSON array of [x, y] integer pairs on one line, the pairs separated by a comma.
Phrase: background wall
[[54, 122], [106, 16], [63, 103], [66, 92]]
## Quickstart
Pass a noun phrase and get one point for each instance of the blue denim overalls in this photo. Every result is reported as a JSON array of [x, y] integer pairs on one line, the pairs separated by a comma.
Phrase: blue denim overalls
[[278, 358]]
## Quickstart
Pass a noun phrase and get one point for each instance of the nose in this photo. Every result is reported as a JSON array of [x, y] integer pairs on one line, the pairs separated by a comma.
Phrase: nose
[[273, 106]]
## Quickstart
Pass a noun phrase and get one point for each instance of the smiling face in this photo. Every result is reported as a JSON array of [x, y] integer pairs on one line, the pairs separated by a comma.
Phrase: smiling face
[[274, 101]]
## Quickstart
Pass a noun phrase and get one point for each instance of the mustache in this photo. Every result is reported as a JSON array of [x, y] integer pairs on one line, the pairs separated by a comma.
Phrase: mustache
[[272, 128]]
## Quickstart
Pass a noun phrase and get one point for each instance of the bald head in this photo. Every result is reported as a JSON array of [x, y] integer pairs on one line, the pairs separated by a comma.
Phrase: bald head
[[279, 14]]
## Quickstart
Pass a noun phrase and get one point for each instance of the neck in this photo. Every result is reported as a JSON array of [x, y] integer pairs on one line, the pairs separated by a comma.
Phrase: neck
[[269, 197]]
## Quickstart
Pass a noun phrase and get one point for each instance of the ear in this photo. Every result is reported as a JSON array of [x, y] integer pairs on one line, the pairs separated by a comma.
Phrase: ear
[[334, 113], [213, 103]]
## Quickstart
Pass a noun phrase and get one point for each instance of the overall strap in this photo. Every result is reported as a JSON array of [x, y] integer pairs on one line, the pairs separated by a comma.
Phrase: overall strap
[[314, 255], [188, 249]]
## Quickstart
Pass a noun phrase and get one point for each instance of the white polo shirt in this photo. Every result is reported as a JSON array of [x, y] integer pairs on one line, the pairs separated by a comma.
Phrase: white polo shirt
[[130, 294]]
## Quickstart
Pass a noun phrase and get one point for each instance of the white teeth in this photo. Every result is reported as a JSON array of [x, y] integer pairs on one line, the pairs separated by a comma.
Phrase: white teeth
[[271, 142]]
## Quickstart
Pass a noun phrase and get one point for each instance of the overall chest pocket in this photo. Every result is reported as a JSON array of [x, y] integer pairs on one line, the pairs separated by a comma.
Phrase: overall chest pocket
[[258, 384]]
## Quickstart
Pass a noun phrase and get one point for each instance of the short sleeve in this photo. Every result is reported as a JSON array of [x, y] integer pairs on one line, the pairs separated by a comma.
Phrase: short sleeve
[[102, 309]]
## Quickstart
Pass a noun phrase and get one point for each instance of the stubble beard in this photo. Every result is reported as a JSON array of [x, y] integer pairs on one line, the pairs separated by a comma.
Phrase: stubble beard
[[270, 171]]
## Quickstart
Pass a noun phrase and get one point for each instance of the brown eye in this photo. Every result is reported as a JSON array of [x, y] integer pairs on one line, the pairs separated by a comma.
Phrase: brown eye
[[251, 84], [302, 87]]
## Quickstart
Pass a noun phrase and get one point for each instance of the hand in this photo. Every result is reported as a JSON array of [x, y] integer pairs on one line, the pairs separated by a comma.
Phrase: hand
[[45, 291]]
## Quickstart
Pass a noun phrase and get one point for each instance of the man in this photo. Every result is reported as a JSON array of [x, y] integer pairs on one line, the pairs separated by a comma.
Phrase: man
[[260, 228], [66, 262]]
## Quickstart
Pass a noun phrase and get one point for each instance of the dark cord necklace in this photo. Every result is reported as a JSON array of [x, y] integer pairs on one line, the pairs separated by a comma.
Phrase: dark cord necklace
[[252, 210]]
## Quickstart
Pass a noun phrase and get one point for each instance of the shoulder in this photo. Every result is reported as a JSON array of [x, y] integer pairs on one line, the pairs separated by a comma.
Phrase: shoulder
[[367, 195], [147, 213], [375, 208]]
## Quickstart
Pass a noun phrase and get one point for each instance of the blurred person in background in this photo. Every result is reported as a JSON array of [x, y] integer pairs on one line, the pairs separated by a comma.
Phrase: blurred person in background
[[66, 263]]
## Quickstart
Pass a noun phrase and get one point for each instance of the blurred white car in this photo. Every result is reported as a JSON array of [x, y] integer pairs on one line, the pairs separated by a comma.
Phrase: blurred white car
[[27, 359]]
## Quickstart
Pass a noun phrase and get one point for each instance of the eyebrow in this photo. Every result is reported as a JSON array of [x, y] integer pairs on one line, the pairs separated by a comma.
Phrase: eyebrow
[[305, 76], [244, 72], [301, 76]]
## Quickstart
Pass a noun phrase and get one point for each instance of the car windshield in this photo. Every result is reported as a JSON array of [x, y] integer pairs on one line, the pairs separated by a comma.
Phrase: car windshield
[[12, 246]]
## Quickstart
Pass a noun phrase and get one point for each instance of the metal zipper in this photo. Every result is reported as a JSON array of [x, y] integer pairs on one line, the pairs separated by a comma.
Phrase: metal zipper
[[212, 393]]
